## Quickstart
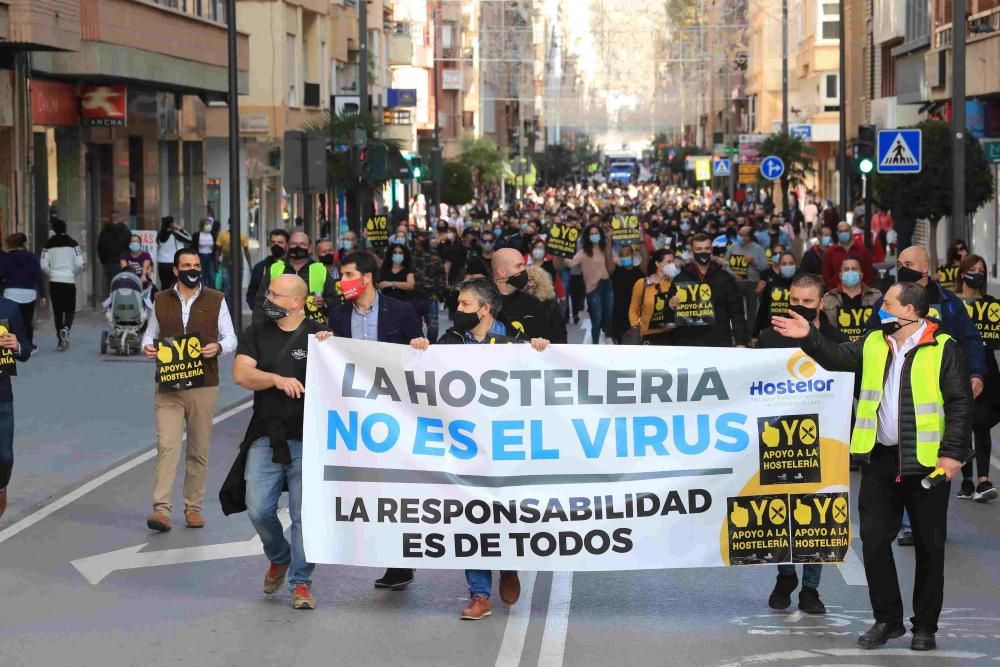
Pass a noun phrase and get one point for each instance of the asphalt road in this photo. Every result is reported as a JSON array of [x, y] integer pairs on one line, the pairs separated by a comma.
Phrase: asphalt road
[[83, 582]]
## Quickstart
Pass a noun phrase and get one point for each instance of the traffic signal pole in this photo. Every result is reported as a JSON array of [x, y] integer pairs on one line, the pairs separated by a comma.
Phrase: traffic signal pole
[[235, 246], [363, 110]]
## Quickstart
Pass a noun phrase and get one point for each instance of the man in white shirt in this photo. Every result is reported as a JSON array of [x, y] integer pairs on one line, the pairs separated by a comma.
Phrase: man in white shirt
[[189, 309]]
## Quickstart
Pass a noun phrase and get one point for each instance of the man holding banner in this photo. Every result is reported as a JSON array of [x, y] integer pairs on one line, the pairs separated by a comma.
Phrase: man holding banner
[[476, 323], [912, 433], [188, 328]]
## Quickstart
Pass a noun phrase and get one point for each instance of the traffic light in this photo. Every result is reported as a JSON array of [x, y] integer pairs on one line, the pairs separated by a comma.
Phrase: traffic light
[[378, 162], [437, 167], [417, 167], [865, 160]]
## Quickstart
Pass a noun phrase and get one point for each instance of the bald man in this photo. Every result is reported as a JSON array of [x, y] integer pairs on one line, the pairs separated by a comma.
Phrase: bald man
[[271, 362], [520, 310], [914, 265]]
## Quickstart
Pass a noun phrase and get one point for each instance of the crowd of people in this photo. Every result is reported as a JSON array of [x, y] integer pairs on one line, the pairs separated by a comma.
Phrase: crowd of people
[[694, 269]]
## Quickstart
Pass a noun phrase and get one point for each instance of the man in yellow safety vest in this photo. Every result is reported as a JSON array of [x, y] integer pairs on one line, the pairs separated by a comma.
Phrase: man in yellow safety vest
[[322, 287], [912, 434]]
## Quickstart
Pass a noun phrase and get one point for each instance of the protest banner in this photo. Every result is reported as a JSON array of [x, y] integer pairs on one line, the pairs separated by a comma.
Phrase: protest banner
[[377, 230], [985, 314], [853, 322], [694, 303], [179, 364], [625, 229], [8, 364], [561, 241], [654, 457]]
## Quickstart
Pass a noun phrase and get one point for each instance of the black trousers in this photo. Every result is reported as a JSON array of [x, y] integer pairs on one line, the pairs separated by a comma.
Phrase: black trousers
[[28, 318], [63, 304], [880, 505]]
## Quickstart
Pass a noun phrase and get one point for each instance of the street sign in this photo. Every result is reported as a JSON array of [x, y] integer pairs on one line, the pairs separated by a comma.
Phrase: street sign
[[722, 167], [772, 168], [803, 132], [992, 150], [702, 168], [899, 151]]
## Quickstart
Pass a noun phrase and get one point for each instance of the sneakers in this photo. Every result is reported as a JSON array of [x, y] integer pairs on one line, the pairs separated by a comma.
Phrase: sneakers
[[194, 519], [479, 608], [63, 340], [905, 539], [510, 587], [274, 577], [395, 578], [809, 601], [302, 598], [158, 521], [967, 490], [985, 492], [781, 596]]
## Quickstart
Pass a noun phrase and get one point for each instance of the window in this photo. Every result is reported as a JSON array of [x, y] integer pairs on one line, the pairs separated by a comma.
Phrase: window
[[829, 92], [918, 20], [293, 99], [468, 119], [829, 20], [889, 68]]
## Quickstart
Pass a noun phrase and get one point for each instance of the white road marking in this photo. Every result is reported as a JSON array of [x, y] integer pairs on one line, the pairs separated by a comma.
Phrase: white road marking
[[517, 624], [95, 568], [79, 492], [905, 652], [556, 621], [852, 569]]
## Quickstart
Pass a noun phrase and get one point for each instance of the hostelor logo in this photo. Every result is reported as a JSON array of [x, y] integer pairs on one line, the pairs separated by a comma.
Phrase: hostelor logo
[[801, 368]]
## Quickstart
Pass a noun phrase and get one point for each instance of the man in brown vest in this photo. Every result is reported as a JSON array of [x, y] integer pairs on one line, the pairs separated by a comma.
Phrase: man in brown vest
[[188, 309]]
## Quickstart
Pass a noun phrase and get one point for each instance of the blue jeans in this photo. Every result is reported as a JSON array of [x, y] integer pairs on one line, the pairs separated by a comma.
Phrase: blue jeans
[[207, 270], [906, 522], [565, 274], [427, 312], [6, 443], [480, 582], [600, 303], [265, 480], [811, 573]]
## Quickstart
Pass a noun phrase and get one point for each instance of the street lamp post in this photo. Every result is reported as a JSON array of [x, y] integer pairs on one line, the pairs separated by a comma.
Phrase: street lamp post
[[235, 247], [958, 225]]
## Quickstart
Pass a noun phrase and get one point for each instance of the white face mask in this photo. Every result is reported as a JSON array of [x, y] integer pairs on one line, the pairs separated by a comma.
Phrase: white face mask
[[670, 270], [538, 253]]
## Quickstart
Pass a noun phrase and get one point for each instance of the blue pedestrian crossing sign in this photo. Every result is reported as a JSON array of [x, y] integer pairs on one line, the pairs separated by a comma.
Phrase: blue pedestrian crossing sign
[[899, 151], [772, 168], [722, 167]]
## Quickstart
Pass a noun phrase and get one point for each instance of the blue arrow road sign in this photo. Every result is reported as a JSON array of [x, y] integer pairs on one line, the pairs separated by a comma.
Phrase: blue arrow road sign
[[722, 167], [772, 168], [899, 151]]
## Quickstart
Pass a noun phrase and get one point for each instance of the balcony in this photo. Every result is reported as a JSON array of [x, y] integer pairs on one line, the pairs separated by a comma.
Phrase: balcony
[[982, 52], [400, 47], [42, 24], [144, 42]]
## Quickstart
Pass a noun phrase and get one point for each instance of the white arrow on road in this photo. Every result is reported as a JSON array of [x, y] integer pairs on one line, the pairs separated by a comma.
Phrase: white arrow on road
[[95, 568]]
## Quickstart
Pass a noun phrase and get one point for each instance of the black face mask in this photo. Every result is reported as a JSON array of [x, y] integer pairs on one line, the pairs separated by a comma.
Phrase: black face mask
[[808, 314], [892, 326], [273, 311], [277, 251], [974, 280], [703, 258], [295, 252], [905, 274], [327, 260], [466, 321], [189, 277], [519, 280]]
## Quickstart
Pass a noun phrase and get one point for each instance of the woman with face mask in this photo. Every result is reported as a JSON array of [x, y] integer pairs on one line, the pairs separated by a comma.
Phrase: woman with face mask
[[628, 273], [205, 242], [597, 262], [985, 313], [648, 291], [396, 278], [774, 296], [138, 261]]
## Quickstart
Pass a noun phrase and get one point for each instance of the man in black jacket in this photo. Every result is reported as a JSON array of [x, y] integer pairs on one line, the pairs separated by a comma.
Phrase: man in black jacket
[[912, 432], [804, 297], [111, 243], [524, 312], [477, 322], [278, 244], [705, 279]]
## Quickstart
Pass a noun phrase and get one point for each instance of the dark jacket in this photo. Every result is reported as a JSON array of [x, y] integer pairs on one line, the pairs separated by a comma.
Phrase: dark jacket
[[11, 312], [112, 242], [955, 389], [812, 261], [260, 290], [770, 339], [397, 321], [730, 323], [455, 337], [21, 269], [955, 322], [256, 278]]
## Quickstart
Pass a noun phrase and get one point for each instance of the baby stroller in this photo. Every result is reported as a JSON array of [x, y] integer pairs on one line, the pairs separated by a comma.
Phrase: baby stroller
[[127, 315]]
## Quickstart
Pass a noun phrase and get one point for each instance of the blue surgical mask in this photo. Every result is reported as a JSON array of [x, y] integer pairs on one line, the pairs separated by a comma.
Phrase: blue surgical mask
[[397, 259], [850, 278], [347, 244], [595, 238], [685, 227], [626, 262], [788, 271], [843, 237], [399, 240], [134, 247], [826, 240]]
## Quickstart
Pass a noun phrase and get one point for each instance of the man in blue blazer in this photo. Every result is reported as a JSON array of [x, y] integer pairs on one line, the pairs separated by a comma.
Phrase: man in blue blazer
[[370, 315]]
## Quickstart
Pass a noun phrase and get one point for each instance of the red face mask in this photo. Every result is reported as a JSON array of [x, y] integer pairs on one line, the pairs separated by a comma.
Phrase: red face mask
[[353, 289]]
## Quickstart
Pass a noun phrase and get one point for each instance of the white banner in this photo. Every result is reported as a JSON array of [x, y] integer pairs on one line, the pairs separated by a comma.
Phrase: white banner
[[575, 458]]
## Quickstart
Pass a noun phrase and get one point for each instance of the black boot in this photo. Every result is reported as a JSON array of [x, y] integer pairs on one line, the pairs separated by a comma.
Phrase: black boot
[[809, 601], [395, 578], [781, 596], [879, 634]]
